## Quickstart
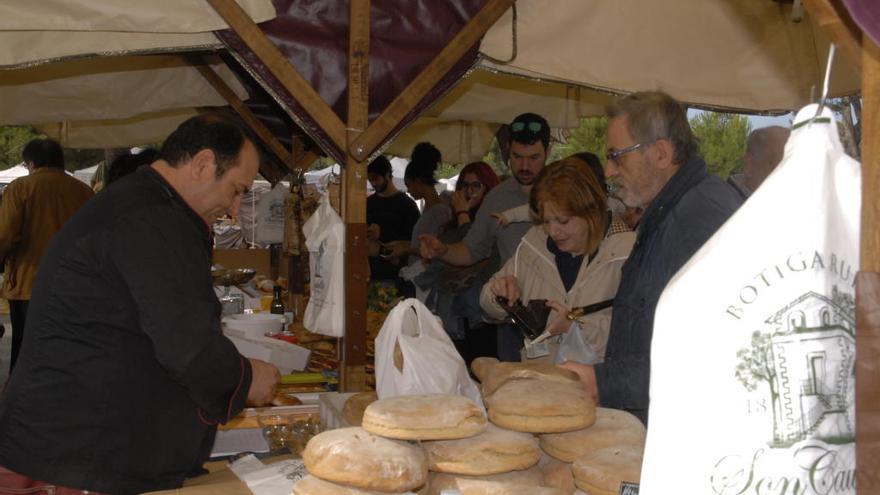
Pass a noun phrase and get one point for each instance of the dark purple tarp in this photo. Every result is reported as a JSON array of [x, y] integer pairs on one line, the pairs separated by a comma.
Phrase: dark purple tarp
[[405, 36], [866, 13]]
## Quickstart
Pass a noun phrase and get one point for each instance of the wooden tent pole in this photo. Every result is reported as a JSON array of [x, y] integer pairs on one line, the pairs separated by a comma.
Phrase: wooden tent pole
[[287, 75], [262, 132], [354, 202], [470, 34], [868, 282]]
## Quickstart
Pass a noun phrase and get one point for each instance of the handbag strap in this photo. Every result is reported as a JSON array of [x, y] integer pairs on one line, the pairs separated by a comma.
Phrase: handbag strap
[[576, 313]]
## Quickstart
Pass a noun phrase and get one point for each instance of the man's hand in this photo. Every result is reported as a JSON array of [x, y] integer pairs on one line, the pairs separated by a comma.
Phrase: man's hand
[[430, 247], [264, 378], [506, 287], [587, 374], [399, 249]]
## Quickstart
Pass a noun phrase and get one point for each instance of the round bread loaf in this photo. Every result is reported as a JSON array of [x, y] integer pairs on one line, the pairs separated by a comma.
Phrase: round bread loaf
[[539, 406], [354, 457], [353, 410], [491, 452], [437, 482], [481, 367], [424, 417], [602, 471], [501, 373], [281, 399], [557, 473], [312, 485], [612, 428], [477, 486]]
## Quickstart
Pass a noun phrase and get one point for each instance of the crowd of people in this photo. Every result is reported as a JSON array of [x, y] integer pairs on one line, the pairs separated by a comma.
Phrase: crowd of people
[[121, 372]]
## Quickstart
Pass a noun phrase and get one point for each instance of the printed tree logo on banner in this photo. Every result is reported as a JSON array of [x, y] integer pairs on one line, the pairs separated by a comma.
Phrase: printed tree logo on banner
[[806, 357]]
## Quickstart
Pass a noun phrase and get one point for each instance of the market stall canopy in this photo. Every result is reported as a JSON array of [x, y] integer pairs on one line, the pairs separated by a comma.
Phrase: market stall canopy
[[48, 30], [742, 55]]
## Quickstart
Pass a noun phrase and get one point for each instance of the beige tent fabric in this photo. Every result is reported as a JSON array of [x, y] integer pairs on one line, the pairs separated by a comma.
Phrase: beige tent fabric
[[458, 141], [107, 88], [143, 129], [148, 16], [489, 97], [745, 54], [38, 31]]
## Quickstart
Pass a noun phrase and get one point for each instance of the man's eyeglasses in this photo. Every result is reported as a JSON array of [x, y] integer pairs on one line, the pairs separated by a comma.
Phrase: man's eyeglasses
[[473, 186], [614, 155], [531, 126]]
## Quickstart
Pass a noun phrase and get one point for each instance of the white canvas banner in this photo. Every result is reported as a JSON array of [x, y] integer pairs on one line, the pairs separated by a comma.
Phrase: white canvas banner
[[753, 354]]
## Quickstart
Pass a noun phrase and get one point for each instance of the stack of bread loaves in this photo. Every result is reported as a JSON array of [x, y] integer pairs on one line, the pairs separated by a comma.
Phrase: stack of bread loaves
[[593, 449]]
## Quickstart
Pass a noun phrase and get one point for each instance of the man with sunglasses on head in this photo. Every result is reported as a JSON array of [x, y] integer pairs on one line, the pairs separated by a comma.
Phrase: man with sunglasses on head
[[652, 157], [529, 148]]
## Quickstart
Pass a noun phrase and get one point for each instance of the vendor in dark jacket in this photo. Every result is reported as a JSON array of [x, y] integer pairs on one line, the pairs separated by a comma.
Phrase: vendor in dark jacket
[[652, 157], [124, 372]]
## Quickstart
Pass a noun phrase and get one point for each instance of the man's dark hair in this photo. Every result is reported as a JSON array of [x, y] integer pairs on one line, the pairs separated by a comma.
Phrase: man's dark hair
[[220, 133], [128, 162], [528, 128], [379, 166], [43, 153]]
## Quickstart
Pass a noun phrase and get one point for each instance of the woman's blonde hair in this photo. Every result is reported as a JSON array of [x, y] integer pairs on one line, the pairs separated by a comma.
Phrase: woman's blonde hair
[[571, 185]]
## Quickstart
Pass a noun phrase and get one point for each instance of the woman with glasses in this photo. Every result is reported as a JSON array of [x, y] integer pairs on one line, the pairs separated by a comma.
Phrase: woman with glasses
[[572, 259], [454, 292]]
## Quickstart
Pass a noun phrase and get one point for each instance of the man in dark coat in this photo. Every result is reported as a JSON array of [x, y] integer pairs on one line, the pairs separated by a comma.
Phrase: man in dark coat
[[652, 159], [124, 372]]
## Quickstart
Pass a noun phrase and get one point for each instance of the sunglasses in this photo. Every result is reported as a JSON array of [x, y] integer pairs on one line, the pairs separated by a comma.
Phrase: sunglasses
[[531, 126]]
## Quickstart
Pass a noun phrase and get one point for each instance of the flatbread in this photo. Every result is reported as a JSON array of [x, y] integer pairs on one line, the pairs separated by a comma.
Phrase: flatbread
[[525, 481], [557, 474], [539, 406], [602, 471], [481, 367], [491, 452], [357, 458], [501, 373], [312, 485], [353, 409], [613, 428], [425, 417]]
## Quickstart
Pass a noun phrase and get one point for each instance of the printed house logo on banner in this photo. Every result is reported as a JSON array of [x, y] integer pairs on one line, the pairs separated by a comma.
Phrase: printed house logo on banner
[[805, 359], [753, 348]]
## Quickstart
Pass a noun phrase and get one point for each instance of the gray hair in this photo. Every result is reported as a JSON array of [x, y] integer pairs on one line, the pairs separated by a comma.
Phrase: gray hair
[[653, 115]]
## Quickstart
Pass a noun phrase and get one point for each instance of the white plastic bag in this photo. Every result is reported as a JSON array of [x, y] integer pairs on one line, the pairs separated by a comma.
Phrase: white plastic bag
[[753, 351], [573, 347], [270, 216], [325, 239], [431, 364]]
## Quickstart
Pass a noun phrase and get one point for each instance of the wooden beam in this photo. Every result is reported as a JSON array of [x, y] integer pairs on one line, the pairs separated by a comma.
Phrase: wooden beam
[[367, 143], [868, 283], [280, 67], [834, 20], [262, 132], [354, 202]]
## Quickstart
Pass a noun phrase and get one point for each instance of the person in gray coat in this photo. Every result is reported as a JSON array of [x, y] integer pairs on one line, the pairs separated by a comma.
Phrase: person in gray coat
[[652, 157]]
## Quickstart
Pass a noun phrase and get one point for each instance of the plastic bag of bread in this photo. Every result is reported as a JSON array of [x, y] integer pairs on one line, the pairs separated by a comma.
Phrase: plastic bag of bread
[[414, 355]]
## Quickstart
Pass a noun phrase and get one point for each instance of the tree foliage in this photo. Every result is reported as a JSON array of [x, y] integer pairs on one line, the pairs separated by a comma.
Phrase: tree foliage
[[722, 140], [590, 136], [12, 141]]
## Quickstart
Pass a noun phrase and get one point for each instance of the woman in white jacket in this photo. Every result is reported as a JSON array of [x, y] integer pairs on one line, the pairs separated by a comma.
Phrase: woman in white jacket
[[572, 258]]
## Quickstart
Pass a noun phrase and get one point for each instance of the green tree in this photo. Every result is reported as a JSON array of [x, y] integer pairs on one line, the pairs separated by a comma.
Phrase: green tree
[[722, 140], [756, 366], [590, 136], [12, 141]]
